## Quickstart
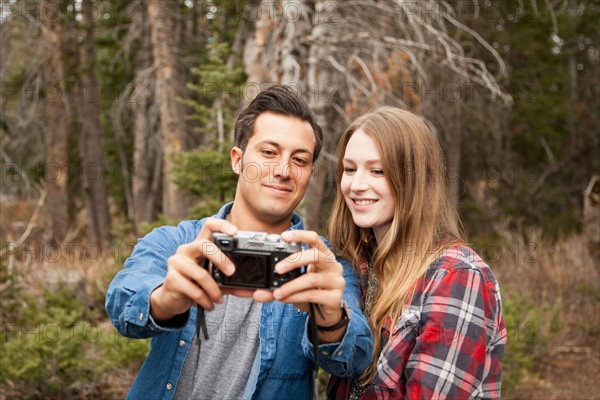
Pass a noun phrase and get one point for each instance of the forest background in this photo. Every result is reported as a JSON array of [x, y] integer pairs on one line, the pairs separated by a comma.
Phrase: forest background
[[117, 116]]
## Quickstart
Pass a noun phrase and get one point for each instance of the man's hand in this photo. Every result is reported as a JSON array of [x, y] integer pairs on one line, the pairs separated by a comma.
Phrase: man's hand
[[323, 284], [187, 283]]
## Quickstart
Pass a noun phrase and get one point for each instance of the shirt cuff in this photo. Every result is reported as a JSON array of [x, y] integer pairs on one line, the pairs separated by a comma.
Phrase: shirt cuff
[[336, 351], [139, 312]]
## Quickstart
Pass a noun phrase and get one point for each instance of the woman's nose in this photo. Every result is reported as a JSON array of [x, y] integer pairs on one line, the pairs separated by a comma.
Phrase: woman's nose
[[359, 182]]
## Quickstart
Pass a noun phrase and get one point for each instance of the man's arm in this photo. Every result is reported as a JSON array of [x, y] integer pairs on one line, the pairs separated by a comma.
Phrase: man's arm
[[349, 349], [163, 279], [353, 351], [128, 296]]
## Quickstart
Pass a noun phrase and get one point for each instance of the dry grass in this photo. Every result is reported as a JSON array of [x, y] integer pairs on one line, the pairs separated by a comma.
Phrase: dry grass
[[77, 265], [560, 284], [563, 275]]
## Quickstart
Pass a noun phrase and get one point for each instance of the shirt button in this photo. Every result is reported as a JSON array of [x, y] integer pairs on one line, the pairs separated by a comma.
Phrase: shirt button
[[181, 343], [340, 352], [169, 386], [141, 316], [325, 353]]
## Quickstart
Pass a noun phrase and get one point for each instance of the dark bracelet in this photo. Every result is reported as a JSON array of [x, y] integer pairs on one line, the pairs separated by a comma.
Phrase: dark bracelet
[[344, 320]]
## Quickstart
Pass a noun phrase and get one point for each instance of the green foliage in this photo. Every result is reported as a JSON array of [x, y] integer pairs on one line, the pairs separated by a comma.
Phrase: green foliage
[[530, 328], [52, 350], [114, 68], [207, 174], [10, 287], [213, 91], [43, 349], [119, 352], [206, 171], [548, 145]]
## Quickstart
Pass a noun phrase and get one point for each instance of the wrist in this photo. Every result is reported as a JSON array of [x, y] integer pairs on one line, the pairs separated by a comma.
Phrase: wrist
[[342, 322], [156, 310]]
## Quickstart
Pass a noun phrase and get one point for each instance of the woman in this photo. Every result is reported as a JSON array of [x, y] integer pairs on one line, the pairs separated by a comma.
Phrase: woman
[[432, 303]]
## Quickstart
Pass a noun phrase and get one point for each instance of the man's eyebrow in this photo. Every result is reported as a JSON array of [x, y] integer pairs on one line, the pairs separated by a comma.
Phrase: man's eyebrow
[[278, 146]]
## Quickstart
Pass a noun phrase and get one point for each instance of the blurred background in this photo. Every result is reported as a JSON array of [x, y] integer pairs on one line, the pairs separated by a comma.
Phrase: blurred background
[[117, 116]]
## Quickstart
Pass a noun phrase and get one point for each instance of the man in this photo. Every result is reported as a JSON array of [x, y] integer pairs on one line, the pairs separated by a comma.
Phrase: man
[[256, 348]]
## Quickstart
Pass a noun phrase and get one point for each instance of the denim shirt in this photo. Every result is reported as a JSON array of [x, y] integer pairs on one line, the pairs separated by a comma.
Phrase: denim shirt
[[286, 354]]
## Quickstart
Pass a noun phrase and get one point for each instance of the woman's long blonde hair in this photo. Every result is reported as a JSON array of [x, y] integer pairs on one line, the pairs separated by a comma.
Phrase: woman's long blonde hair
[[425, 218]]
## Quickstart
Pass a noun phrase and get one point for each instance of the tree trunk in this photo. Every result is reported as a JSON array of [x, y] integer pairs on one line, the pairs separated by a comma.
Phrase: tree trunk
[[172, 114], [321, 79], [573, 86], [147, 143], [453, 136], [291, 63], [56, 124], [255, 54], [348, 60], [93, 185]]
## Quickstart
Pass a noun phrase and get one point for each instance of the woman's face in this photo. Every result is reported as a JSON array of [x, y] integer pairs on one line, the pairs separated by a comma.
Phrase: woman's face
[[365, 186]]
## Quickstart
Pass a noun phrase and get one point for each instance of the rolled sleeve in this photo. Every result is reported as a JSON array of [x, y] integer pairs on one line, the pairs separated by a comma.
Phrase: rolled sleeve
[[128, 296]]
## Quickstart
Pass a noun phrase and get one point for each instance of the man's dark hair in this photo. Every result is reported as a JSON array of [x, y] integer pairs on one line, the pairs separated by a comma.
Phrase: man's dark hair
[[277, 99]]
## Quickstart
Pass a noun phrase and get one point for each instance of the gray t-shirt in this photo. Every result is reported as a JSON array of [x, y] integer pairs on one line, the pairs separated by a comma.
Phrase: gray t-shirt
[[218, 368]]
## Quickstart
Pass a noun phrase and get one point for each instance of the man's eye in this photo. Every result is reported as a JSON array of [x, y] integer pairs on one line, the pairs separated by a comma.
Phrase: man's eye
[[300, 161], [268, 153]]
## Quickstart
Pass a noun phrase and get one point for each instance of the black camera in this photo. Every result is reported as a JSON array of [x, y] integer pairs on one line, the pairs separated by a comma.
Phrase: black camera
[[254, 255]]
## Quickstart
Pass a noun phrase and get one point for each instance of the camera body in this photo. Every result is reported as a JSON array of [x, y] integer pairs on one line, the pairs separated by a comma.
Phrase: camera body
[[254, 255]]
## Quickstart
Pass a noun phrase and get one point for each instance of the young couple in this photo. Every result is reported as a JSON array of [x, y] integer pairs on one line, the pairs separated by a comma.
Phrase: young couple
[[431, 321]]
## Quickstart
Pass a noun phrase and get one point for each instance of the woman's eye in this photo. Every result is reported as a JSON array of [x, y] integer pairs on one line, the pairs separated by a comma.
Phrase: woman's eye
[[348, 170], [377, 172]]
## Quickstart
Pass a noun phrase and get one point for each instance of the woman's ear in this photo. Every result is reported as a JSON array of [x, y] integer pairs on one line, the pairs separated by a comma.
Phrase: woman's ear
[[236, 159]]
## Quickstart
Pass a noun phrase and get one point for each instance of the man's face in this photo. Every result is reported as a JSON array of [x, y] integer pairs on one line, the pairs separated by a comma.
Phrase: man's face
[[274, 170]]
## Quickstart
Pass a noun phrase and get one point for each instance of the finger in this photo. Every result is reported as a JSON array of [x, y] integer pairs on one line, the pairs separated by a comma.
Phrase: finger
[[192, 291], [309, 282], [193, 272], [315, 258], [263, 296], [201, 249], [238, 292], [296, 260], [311, 238], [327, 298], [213, 225]]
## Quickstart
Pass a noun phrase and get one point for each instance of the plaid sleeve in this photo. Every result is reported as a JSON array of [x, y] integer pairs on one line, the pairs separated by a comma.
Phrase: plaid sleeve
[[449, 348]]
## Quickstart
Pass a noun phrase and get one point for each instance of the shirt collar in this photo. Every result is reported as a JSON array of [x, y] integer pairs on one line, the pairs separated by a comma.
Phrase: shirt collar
[[295, 223]]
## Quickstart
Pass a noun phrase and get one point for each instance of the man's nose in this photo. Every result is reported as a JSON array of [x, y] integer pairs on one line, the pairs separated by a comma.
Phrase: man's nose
[[282, 170]]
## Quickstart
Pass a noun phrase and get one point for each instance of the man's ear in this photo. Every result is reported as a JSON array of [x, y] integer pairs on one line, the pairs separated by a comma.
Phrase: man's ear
[[236, 159]]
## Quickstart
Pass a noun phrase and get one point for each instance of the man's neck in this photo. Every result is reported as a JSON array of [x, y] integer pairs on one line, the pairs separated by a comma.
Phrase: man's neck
[[246, 221]]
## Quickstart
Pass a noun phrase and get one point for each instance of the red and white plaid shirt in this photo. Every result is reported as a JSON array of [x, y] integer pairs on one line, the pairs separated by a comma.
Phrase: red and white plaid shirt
[[449, 340]]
